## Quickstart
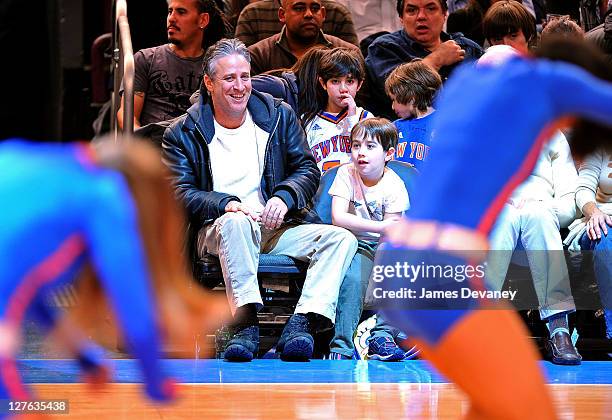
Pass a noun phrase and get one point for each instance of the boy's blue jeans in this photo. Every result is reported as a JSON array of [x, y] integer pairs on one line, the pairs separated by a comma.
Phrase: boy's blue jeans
[[383, 329], [351, 298]]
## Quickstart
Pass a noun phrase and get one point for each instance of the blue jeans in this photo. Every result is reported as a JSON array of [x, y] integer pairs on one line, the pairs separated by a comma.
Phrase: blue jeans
[[602, 266], [351, 297], [383, 329]]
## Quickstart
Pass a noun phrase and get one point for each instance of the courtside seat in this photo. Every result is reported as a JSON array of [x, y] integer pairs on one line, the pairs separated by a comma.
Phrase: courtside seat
[[207, 270]]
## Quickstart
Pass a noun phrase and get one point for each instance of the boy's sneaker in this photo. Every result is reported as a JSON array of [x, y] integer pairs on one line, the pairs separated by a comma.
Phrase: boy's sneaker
[[296, 343], [384, 348], [244, 345]]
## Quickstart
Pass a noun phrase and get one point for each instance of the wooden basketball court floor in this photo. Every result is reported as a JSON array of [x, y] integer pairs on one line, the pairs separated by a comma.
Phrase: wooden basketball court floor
[[319, 389]]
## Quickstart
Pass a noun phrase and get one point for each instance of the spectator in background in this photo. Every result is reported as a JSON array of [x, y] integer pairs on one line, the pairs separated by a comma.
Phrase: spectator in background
[[166, 75], [590, 13], [260, 20], [303, 20], [329, 119], [372, 16], [233, 8], [412, 88], [531, 219], [421, 37], [367, 199], [467, 18], [594, 231], [602, 35], [562, 26], [567, 7], [507, 22], [468, 21]]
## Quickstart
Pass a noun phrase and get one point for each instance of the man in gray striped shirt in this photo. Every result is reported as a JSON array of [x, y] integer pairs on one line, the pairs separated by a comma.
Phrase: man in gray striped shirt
[[259, 20]]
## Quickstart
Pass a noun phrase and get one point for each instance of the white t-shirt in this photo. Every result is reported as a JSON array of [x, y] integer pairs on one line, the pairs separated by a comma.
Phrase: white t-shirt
[[389, 195], [237, 159], [329, 137]]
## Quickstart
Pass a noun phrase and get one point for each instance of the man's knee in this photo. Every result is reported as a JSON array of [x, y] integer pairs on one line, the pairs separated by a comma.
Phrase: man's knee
[[231, 228], [233, 222]]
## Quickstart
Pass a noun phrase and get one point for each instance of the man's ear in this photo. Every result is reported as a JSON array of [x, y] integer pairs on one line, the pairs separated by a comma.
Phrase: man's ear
[[323, 13], [208, 84], [281, 14], [322, 82], [359, 86], [204, 20], [390, 154]]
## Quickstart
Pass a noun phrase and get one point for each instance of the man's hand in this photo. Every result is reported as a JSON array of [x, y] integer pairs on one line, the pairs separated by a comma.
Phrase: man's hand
[[274, 213], [445, 54], [236, 206]]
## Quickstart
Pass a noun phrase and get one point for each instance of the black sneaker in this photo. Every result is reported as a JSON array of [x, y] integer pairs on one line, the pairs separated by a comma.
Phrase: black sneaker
[[296, 343], [244, 345], [562, 351]]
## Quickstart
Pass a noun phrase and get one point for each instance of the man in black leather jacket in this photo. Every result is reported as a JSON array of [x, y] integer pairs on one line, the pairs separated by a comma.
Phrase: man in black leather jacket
[[243, 170]]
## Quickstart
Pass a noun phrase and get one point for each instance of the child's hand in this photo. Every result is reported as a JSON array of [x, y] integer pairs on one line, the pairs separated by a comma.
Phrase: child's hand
[[390, 222], [349, 102]]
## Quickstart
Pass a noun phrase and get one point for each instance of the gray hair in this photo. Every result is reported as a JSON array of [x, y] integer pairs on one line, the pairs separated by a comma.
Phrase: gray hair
[[223, 48]]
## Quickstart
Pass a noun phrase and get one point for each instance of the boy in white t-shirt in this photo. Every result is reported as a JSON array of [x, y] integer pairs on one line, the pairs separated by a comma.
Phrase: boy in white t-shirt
[[367, 198]]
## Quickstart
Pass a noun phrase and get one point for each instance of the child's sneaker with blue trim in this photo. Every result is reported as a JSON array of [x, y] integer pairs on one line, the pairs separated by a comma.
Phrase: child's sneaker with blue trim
[[384, 348]]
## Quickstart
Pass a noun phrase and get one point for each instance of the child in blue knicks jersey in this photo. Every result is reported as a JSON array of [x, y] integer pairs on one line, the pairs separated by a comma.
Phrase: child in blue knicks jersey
[[329, 118], [412, 88], [367, 198]]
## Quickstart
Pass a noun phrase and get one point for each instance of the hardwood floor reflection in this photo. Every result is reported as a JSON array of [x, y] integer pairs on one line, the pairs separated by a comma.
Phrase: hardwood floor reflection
[[304, 401]]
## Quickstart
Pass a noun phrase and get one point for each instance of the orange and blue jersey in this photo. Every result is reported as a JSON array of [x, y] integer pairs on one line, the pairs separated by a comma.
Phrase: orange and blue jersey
[[329, 137], [490, 126], [59, 210]]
